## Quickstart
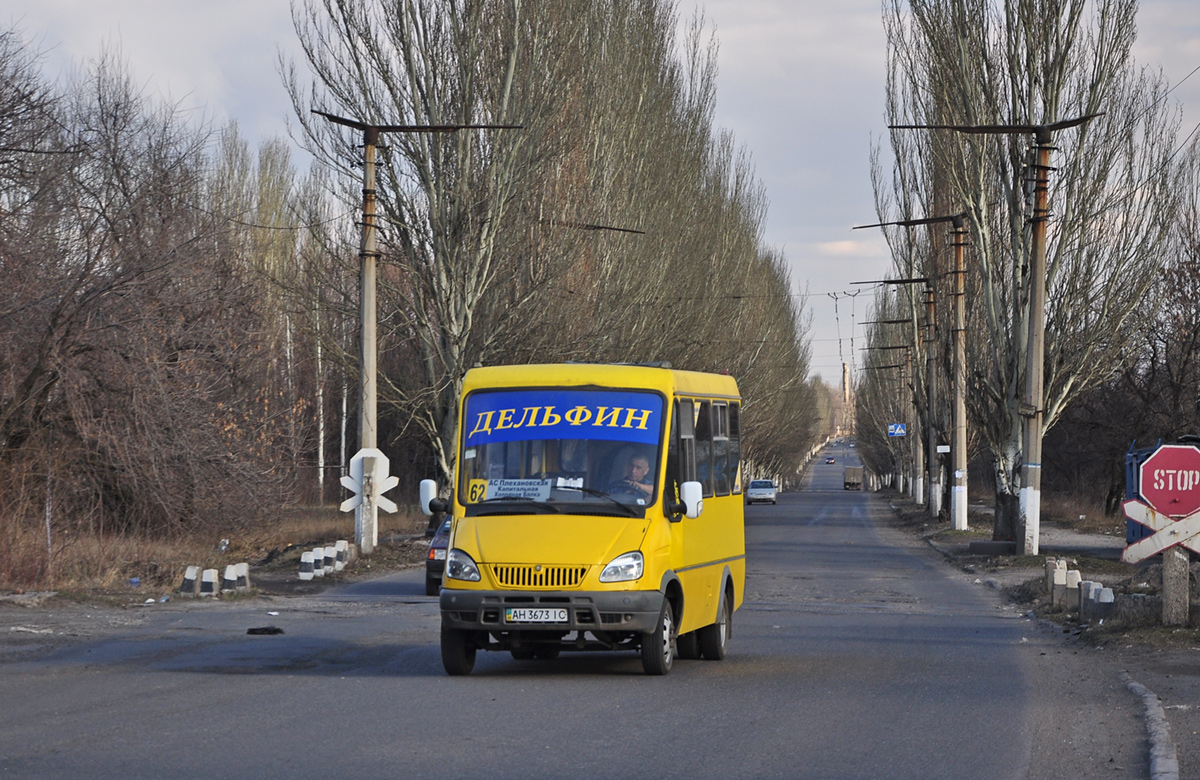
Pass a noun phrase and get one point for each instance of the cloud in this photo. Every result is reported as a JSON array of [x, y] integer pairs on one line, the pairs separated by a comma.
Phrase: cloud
[[216, 57]]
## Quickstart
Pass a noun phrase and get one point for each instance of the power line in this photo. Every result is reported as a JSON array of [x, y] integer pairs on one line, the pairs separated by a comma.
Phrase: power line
[[258, 226]]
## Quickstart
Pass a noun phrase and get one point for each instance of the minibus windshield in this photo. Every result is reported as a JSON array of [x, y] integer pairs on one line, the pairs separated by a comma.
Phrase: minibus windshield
[[560, 450]]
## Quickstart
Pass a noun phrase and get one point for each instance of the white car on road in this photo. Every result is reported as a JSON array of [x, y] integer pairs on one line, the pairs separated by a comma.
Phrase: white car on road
[[760, 490]]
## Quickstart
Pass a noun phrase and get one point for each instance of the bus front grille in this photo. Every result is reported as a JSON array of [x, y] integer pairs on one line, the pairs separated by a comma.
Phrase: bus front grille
[[549, 577]]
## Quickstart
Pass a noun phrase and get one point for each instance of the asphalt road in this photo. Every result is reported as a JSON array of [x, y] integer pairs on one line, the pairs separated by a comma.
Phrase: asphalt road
[[857, 654]]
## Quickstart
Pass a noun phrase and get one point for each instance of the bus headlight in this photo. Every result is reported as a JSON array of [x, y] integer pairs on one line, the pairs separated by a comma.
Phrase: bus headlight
[[460, 566], [623, 568]]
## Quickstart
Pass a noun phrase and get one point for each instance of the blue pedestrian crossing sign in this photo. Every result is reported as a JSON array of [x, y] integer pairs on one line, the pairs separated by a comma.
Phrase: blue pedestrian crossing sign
[[897, 429]]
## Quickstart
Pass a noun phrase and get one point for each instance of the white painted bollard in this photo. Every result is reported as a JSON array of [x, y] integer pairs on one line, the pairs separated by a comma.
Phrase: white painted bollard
[[1073, 580], [1088, 591], [243, 576], [191, 581], [1051, 566], [229, 581], [339, 562], [330, 559], [306, 565], [1105, 603], [318, 556], [1058, 597], [210, 585]]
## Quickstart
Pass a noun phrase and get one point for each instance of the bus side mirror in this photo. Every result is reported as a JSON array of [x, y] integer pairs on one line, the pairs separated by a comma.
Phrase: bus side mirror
[[692, 496], [430, 503]]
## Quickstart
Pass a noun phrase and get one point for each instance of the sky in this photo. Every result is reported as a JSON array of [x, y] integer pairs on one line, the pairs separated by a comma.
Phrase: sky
[[800, 86]]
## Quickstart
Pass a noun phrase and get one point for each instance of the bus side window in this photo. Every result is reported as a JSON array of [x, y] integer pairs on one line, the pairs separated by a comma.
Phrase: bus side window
[[704, 449], [673, 480], [685, 430], [735, 447], [721, 448]]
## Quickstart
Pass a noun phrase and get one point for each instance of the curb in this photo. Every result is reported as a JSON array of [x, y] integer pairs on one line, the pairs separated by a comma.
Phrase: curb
[[1164, 764]]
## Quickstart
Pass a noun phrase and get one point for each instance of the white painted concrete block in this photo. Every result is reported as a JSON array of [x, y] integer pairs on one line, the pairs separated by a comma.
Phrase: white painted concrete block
[[191, 581], [210, 583], [306, 565], [229, 581]]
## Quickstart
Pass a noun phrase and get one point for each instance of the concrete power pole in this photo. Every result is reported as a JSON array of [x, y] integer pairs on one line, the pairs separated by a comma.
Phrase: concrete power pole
[[369, 467], [917, 447], [958, 495], [931, 452], [958, 448], [366, 515], [1030, 406], [1032, 403]]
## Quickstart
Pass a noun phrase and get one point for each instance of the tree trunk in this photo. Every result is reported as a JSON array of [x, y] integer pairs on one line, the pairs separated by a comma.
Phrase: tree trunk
[[1006, 525]]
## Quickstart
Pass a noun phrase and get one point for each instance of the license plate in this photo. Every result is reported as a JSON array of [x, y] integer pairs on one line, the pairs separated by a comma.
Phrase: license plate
[[439, 555], [534, 615]]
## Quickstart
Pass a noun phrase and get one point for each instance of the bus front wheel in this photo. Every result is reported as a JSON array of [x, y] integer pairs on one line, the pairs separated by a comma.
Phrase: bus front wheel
[[658, 646], [458, 652]]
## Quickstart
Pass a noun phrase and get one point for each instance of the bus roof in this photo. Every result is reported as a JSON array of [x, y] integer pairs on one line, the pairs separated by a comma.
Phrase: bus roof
[[623, 375]]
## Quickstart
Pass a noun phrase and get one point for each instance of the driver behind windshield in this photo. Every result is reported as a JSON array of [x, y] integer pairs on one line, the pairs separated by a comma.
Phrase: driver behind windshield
[[637, 478]]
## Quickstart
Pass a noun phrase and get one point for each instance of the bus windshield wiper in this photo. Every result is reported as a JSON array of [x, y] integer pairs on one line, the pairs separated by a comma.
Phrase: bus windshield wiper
[[626, 508], [541, 506]]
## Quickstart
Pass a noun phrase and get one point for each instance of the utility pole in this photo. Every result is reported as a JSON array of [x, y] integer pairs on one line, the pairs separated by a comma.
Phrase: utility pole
[[917, 446], [958, 495], [847, 406], [914, 444], [958, 448], [369, 467], [935, 482], [368, 257], [1030, 405], [898, 476]]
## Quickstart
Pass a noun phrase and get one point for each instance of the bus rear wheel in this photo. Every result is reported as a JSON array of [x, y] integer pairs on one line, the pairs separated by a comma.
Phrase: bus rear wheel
[[714, 639], [687, 646]]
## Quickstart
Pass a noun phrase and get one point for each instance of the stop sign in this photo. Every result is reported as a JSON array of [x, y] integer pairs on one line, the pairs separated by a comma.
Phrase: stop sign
[[1169, 480]]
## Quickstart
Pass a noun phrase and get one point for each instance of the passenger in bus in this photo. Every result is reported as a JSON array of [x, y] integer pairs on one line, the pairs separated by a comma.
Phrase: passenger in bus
[[637, 478]]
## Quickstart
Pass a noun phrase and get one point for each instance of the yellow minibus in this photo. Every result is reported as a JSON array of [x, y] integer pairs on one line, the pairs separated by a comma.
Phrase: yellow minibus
[[596, 507]]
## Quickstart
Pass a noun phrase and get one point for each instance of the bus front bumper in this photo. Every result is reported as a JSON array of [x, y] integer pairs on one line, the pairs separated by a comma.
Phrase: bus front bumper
[[518, 611]]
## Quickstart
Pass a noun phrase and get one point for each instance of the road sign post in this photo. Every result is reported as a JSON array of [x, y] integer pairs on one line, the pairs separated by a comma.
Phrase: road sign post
[[1169, 485], [368, 480]]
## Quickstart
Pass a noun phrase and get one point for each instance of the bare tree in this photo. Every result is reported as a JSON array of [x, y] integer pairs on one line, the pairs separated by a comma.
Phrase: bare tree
[[495, 250], [1152, 395], [985, 62], [444, 196], [135, 396]]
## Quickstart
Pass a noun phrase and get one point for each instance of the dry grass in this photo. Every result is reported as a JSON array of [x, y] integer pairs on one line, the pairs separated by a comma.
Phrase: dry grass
[[107, 563], [1083, 513], [92, 562]]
